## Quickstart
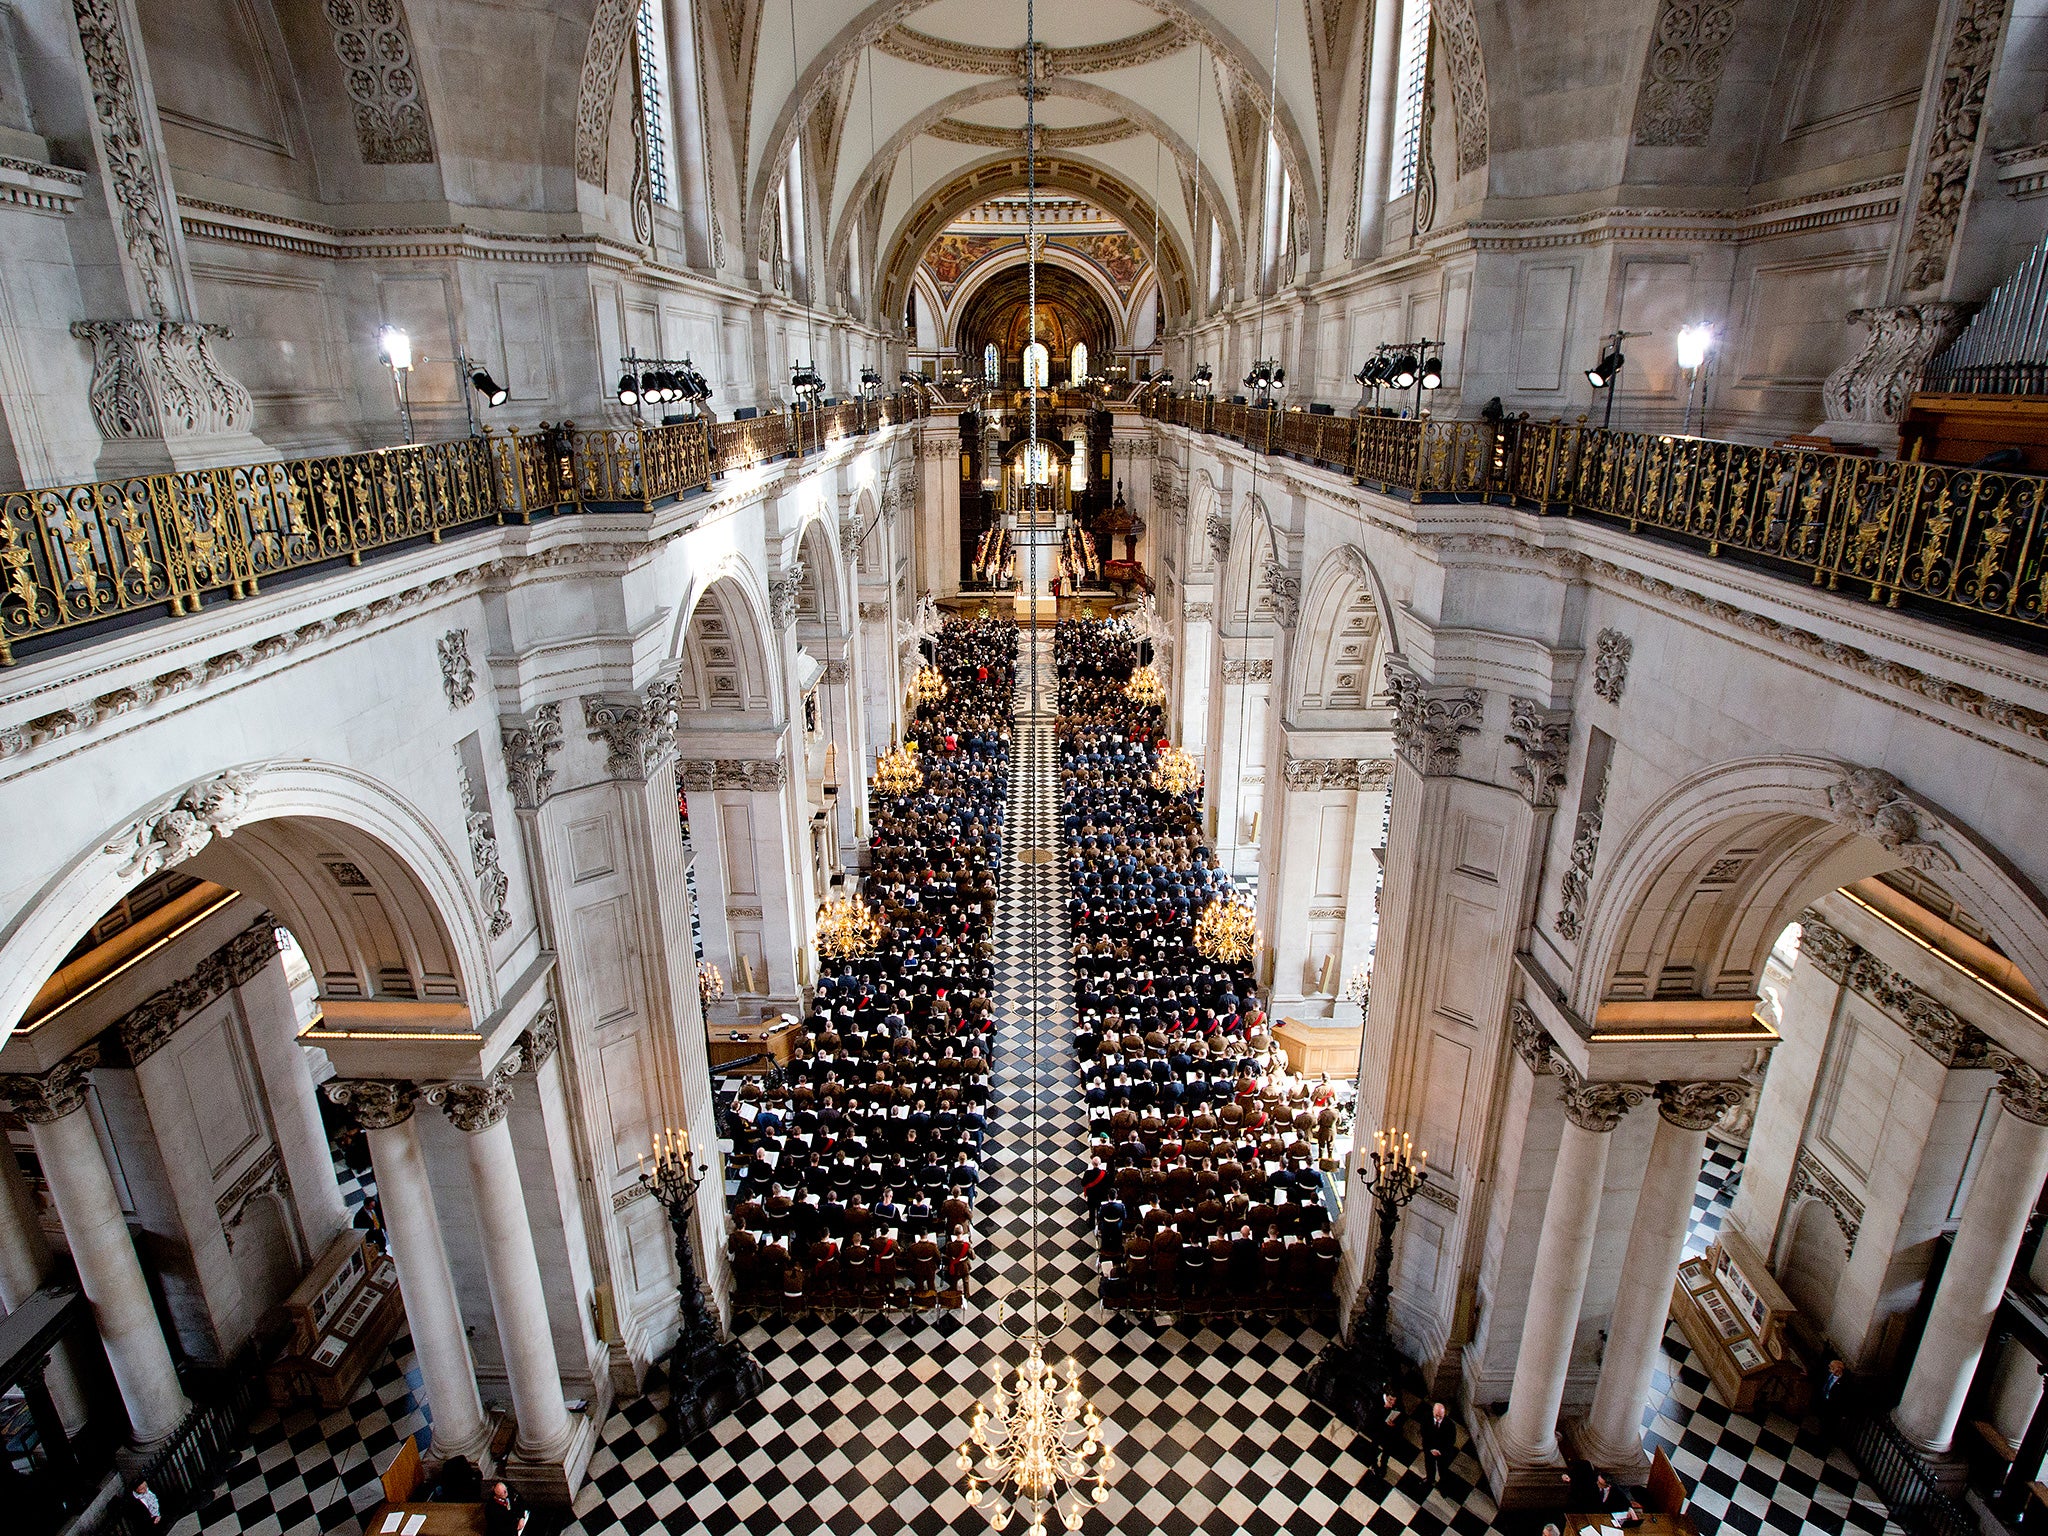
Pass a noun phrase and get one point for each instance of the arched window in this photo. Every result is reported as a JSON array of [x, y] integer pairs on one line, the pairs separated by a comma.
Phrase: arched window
[[991, 366], [1410, 80], [1078, 367], [1037, 365], [654, 98]]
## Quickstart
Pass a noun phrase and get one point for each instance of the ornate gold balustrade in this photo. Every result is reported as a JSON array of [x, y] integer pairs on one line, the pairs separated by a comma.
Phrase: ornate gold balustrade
[[1956, 544], [79, 555]]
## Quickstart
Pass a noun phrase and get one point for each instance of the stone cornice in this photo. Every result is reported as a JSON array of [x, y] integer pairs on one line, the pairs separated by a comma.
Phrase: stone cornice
[[147, 1028], [1933, 1025], [39, 188]]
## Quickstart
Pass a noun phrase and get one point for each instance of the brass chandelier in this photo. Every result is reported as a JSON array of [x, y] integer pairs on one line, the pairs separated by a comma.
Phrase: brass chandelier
[[1040, 1447], [929, 687], [1145, 687], [896, 770], [1226, 932], [1174, 772], [847, 927]]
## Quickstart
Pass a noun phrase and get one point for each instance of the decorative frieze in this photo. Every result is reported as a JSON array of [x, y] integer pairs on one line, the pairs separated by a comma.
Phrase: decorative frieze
[[1428, 726], [1683, 77], [1611, 652], [211, 808], [1240, 669], [1934, 1026], [1831, 951], [1439, 1194], [530, 743], [874, 613], [1199, 613], [638, 730], [45, 1097], [1875, 804], [1540, 738], [157, 380], [1337, 772], [382, 81], [458, 676], [147, 1028], [1810, 1176], [757, 774]]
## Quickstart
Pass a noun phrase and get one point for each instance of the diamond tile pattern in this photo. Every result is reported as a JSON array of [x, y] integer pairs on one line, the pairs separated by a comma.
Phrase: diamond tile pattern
[[857, 1429]]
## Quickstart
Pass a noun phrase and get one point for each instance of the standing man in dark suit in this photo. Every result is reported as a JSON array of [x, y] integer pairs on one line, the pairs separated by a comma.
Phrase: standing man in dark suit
[[1439, 1441], [1388, 1441]]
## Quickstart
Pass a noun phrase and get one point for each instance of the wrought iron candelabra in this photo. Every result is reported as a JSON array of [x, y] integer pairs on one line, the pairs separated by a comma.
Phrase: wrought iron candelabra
[[1346, 1377], [708, 1376]]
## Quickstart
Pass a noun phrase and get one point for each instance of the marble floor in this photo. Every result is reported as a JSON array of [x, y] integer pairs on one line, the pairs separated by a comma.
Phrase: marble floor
[[857, 1430]]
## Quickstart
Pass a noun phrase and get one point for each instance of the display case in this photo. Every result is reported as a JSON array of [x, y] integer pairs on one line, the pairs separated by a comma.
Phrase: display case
[[341, 1316], [1735, 1317]]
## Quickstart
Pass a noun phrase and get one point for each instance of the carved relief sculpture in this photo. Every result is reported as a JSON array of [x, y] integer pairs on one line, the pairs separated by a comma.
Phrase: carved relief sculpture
[[144, 206], [1952, 141], [1456, 25], [159, 379], [1611, 652], [1875, 804], [1683, 76], [458, 676], [212, 808], [1875, 384], [492, 884], [382, 82], [1540, 738]]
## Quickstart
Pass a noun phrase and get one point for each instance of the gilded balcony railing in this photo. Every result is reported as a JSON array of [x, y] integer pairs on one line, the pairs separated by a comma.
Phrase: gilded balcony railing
[[1958, 544], [77, 555]]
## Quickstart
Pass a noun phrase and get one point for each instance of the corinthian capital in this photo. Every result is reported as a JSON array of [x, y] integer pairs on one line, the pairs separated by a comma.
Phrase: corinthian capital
[[1430, 724], [51, 1095], [1696, 1106], [2025, 1091], [638, 730], [374, 1103], [475, 1107], [1596, 1107]]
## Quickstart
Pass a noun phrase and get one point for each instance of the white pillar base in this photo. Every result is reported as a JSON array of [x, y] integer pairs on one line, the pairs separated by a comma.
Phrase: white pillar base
[[553, 1479], [1517, 1483]]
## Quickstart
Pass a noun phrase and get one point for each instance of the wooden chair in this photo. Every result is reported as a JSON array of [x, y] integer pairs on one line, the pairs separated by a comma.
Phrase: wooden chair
[[1666, 1493]]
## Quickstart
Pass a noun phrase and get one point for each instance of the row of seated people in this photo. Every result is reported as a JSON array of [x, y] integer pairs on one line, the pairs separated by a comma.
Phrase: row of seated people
[[858, 1165], [1203, 1147]]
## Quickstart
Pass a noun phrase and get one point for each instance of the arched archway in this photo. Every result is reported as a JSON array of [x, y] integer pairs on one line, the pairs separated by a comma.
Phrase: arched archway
[[1343, 639]]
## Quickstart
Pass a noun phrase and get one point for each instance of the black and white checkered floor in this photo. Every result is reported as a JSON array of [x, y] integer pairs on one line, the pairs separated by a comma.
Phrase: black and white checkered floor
[[857, 1431]]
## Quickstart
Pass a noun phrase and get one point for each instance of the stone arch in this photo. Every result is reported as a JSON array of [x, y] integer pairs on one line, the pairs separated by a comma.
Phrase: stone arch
[[726, 648], [1242, 600], [1051, 256], [1205, 502], [1346, 632], [822, 599], [1700, 886], [827, 65], [1813, 1257], [277, 831], [1209, 190], [1006, 173]]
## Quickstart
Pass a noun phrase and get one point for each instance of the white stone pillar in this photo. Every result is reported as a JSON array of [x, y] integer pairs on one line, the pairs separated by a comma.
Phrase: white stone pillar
[[1378, 160], [96, 1231], [24, 1265], [294, 1106], [1656, 1241], [2001, 1198], [432, 1314], [546, 1429], [1571, 1218]]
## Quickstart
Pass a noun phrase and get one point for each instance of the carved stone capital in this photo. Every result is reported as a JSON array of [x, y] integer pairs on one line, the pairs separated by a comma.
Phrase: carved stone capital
[[1830, 950], [784, 593], [2025, 1091], [1596, 1107], [1696, 1106], [1283, 592], [209, 809], [542, 1039], [638, 730], [1902, 339], [1531, 1040], [475, 1107], [374, 1103], [1875, 804], [1429, 725], [1611, 652], [1219, 535], [1242, 669], [51, 1095], [1199, 613], [157, 380], [530, 743], [1541, 737]]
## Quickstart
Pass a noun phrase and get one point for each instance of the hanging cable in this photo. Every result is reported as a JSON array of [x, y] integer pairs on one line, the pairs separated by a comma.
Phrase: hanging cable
[[797, 211]]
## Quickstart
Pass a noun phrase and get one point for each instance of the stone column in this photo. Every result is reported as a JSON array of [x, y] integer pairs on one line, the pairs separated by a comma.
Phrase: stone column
[[1656, 1240], [1571, 1217], [24, 1265], [96, 1231], [2001, 1198], [294, 1105], [1380, 102], [517, 1299], [432, 1314]]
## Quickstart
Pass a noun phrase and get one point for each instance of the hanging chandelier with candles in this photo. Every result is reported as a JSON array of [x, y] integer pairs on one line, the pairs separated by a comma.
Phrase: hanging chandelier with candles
[[896, 771], [710, 983], [1225, 932], [1039, 1446], [1174, 772], [847, 927], [929, 686], [1145, 688]]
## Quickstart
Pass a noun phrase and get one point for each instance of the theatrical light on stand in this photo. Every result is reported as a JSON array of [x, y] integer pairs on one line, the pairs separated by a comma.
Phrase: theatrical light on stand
[[1226, 931], [395, 347], [1174, 772], [629, 390], [1145, 687], [1693, 343], [1403, 373], [1601, 375], [1205, 379], [493, 392], [1432, 373], [847, 928]]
